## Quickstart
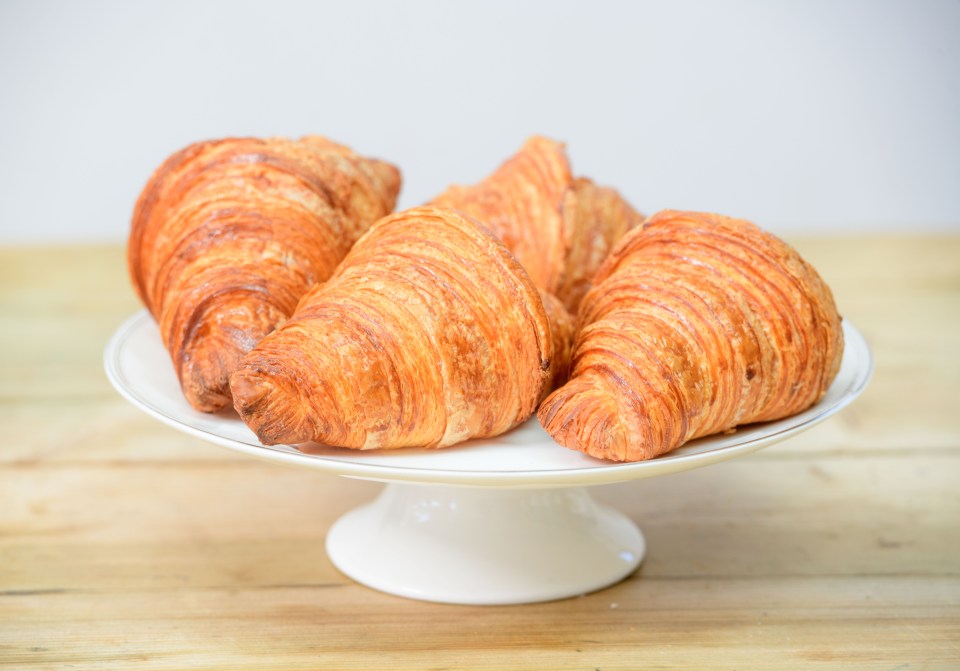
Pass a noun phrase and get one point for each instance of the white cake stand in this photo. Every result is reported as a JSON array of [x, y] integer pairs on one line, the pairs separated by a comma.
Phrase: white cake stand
[[499, 521]]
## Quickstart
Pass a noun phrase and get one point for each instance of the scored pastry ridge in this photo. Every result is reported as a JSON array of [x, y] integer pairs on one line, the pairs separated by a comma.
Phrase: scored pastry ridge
[[558, 226], [695, 324], [429, 333], [227, 235]]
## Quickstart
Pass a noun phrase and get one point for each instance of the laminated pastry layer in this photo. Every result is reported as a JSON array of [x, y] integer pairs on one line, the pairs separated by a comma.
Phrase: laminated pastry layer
[[696, 323], [559, 227], [228, 235], [429, 333]]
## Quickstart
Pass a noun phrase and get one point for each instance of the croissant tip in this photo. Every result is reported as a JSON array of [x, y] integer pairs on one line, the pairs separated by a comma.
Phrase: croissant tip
[[206, 389], [251, 394], [256, 396], [576, 419], [249, 391], [206, 400], [209, 358]]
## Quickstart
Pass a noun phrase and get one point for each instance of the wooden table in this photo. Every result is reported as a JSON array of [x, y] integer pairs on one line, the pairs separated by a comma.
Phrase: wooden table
[[125, 544]]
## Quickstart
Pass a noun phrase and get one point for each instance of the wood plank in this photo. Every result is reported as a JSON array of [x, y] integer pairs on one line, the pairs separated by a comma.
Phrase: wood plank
[[101, 429], [806, 623], [124, 543], [181, 526], [58, 307]]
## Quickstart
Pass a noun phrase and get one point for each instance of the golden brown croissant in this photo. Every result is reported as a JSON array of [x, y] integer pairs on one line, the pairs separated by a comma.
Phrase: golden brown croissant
[[429, 333], [696, 323], [228, 235], [558, 227], [594, 219], [561, 337]]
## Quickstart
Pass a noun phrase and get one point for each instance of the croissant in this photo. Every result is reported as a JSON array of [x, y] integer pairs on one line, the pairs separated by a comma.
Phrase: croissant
[[561, 337], [227, 236], [558, 227], [595, 218], [696, 323], [429, 333]]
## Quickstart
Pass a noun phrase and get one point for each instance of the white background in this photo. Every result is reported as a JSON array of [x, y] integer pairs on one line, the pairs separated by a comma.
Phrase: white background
[[802, 116]]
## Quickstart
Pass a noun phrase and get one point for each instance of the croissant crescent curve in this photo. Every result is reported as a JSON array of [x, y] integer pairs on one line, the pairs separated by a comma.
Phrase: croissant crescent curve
[[696, 323], [559, 227], [429, 333], [227, 236]]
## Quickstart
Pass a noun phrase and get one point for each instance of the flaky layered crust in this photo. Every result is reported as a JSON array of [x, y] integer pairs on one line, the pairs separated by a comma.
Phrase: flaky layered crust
[[228, 235], [559, 228], [696, 323], [561, 338], [521, 203], [594, 218], [429, 333]]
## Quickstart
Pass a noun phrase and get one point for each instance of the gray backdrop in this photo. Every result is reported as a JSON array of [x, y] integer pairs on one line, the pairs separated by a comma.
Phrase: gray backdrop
[[840, 116]]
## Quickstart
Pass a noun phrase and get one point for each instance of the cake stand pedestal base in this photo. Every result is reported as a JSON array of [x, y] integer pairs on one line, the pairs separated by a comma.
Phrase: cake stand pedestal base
[[485, 545]]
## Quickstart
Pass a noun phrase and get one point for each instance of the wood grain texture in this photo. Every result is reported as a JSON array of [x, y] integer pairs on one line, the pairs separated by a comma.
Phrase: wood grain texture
[[124, 544]]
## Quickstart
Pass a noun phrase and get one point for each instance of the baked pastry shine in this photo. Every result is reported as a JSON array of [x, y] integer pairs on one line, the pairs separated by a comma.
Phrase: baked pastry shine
[[561, 337], [594, 220], [428, 334], [559, 228], [228, 235], [695, 324]]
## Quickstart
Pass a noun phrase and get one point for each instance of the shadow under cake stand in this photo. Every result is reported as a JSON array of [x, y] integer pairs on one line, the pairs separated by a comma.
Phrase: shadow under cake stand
[[496, 521]]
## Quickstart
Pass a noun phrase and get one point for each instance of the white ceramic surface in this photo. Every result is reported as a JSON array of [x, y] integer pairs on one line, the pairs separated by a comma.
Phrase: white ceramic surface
[[139, 367], [483, 546], [497, 521]]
